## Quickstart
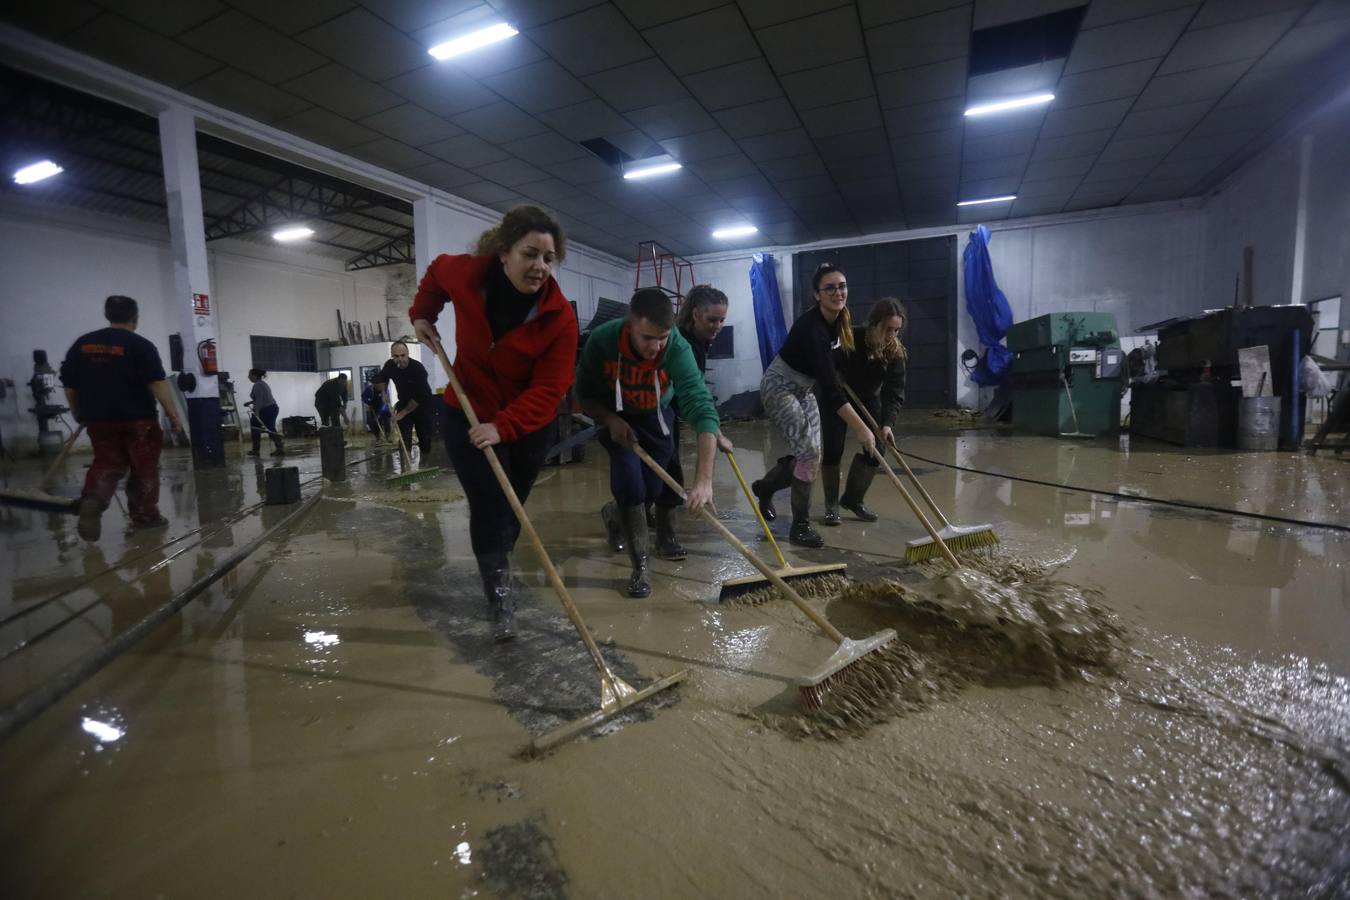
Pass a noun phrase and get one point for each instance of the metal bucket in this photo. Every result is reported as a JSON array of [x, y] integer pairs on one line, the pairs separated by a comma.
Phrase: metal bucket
[[1258, 423]]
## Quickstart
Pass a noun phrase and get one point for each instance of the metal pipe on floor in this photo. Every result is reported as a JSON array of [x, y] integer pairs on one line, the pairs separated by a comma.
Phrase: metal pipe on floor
[[36, 701]]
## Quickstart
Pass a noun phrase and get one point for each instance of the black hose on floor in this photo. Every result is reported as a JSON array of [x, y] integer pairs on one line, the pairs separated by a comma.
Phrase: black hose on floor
[[1181, 504], [38, 700]]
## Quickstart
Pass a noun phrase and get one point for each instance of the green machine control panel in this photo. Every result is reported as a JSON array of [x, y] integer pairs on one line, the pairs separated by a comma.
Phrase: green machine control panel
[[1066, 374]]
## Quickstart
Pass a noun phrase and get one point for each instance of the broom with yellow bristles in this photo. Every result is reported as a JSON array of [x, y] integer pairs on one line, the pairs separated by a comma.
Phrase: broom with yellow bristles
[[851, 663], [956, 537]]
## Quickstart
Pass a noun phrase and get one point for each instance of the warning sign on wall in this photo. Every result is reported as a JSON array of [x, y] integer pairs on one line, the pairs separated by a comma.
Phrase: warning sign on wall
[[201, 305]]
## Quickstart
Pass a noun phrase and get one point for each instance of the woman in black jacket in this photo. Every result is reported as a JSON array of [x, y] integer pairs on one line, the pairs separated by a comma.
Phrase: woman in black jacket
[[875, 371]]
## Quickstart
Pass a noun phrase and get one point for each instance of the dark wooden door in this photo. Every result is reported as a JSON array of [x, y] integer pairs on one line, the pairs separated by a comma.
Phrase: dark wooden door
[[921, 275]]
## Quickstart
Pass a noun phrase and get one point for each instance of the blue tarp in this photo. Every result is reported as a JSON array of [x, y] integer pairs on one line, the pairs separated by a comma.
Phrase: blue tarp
[[989, 308], [769, 325]]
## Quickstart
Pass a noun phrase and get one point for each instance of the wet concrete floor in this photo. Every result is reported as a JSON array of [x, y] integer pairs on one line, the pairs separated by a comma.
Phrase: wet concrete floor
[[330, 720]]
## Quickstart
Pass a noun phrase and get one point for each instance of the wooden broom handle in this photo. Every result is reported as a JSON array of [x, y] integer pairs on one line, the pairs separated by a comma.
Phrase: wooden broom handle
[[754, 505], [821, 622], [918, 485], [65, 448], [528, 527]]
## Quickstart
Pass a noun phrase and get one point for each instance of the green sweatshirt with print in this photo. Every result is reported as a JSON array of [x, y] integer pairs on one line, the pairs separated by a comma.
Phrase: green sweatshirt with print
[[609, 357]]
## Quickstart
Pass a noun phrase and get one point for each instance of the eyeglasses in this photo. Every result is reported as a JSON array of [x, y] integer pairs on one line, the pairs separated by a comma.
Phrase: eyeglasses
[[840, 288]]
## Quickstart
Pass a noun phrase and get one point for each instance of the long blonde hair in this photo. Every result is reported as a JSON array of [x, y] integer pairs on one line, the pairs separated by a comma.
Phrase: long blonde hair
[[843, 324], [883, 311]]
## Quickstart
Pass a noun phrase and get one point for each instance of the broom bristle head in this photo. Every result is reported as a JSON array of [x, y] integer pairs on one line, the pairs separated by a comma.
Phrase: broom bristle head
[[850, 662], [824, 586], [966, 540]]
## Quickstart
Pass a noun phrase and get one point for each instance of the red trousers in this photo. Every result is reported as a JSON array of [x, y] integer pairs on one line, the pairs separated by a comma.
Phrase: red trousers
[[121, 446]]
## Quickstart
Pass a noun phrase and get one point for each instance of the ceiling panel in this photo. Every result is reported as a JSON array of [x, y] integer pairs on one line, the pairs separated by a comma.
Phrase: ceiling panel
[[1163, 119], [295, 15], [1153, 146], [1106, 12], [639, 84], [758, 118], [584, 121], [343, 91], [368, 45], [410, 15], [812, 41], [443, 175], [539, 86], [467, 150], [937, 115], [667, 120], [591, 41], [762, 13], [777, 145], [412, 124], [843, 118], [548, 147], [647, 13], [1012, 143], [499, 122], [134, 47], [835, 83], [703, 145], [1099, 85], [1071, 145], [919, 41], [511, 173], [920, 84], [324, 127], [1030, 79], [250, 45], [933, 143], [995, 167], [392, 154], [734, 85], [240, 92], [804, 166], [1246, 39], [704, 41], [166, 18], [441, 89], [1080, 119], [1193, 85], [1146, 38]]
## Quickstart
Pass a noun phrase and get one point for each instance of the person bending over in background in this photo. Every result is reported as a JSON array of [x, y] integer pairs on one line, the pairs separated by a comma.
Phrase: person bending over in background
[[625, 380], [515, 349], [875, 370], [112, 378], [414, 396], [264, 416], [377, 409], [330, 400], [788, 391]]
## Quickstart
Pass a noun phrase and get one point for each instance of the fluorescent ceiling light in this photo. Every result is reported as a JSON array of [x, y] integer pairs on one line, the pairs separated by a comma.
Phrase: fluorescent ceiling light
[[1005, 105], [37, 172], [737, 231], [646, 171], [473, 40], [1007, 199], [298, 233]]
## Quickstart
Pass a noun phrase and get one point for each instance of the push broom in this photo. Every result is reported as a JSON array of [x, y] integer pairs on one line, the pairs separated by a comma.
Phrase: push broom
[[40, 499], [409, 476], [956, 537], [616, 695], [851, 657], [806, 576]]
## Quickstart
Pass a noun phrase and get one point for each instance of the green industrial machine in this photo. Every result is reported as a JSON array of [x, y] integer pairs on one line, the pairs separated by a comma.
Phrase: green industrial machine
[[1066, 374]]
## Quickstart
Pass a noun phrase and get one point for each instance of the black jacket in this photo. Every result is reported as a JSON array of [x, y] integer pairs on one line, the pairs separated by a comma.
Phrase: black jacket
[[878, 384]]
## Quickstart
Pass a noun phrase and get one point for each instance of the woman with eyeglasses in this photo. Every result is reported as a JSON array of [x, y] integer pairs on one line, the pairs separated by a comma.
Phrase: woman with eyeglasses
[[805, 364], [875, 371]]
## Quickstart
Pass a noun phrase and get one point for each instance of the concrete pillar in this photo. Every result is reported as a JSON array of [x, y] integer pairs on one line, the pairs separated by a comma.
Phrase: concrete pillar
[[192, 288], [430, 240]]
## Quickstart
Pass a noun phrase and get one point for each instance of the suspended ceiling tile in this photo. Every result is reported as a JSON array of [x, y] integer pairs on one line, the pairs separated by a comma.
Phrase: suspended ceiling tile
[[698, 204], [511, 172], [1193, 168], [486, 192], [1123, 42], [805, 188], [843, 118], [777, 145], [735, 85], [1059, 167], [1246, 39], [50, 20], [1071, 145], [879, 166], [539, 86], [1218, 145], [1080, 119], [937, 115], [720, 168], [1326, 11], [989, 187], [1062, 187], [803, 166], [649, 13], [933, 143], [529, 13], [324, 127], [706, 40], [1197, 84], [549, 147], [812, 41], [1013, 143], [136, 48], [242, 93], [920, 84], [1099, 85], [1153, 146], [579, 204], [499, 122], [857, 144], [764, 13], [1236, 10], [1036, 206], [1152, 190], [633, 86], [1107, 12], [412, 124], [584, 121], [1125, 170], [667, 120], [441, 89], [1030, 79], [392, 154], [757, 118], [946, 167], [926, 39], [368, 45], [836, 83], [998, 167], [466, 150], [547, 190], [703, 145], [250, 45], [410, 15], [991, 13], [1161, 120], [1304, 44], [485, 61], [591, 41], [343, 91], [166, 18]]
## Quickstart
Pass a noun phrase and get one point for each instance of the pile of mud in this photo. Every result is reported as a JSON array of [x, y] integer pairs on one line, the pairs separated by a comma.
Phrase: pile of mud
[[425, 492], [997, 622]]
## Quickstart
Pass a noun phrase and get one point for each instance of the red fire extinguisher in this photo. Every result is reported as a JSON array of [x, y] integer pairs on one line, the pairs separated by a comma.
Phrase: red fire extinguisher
[[206, 355]]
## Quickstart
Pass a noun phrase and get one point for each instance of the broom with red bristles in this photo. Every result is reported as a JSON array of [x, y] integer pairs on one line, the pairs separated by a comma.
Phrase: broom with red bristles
[[848, 664]]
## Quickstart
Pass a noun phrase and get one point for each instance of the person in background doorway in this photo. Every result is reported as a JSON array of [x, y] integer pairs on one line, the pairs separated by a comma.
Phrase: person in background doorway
[[414, 396], [804, 364], [515, 350], [875, 371], [264, 417], [330, 401], [625, 380], [112, 378], [376, 405]]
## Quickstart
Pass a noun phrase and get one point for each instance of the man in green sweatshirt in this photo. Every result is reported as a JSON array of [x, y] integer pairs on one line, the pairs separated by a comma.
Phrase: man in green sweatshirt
[[629, 372]]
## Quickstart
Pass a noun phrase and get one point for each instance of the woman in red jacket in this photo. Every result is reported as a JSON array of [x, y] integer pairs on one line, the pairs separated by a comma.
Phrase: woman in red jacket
[[515, 355]]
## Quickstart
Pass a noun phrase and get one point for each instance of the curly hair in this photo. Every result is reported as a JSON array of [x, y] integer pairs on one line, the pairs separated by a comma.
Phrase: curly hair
[[883, 311], [517, 223]]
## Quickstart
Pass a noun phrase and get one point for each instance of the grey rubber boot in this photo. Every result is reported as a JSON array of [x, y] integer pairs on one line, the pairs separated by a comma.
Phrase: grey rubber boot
[[495, 570], [774, 480], [829, 480], [634, 519], [860, 476], [802, 534], [667, 546], [613, 528]]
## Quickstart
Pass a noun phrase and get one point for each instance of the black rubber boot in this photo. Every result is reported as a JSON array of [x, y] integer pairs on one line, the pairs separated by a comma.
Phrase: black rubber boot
[[667, 546], [860, 475], [802, 534], [495, 569], [651, 516], [90, 524], [774, 480], [613, 528], [634, 519], [829, 480]]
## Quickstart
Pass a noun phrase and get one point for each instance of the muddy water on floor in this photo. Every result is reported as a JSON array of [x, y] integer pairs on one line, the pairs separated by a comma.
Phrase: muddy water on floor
[[334, 724]]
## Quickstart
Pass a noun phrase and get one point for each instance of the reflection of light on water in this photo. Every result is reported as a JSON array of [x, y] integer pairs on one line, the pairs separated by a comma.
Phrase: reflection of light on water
[[462, 853], [741, 647], [320, 638], [102, 731]]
